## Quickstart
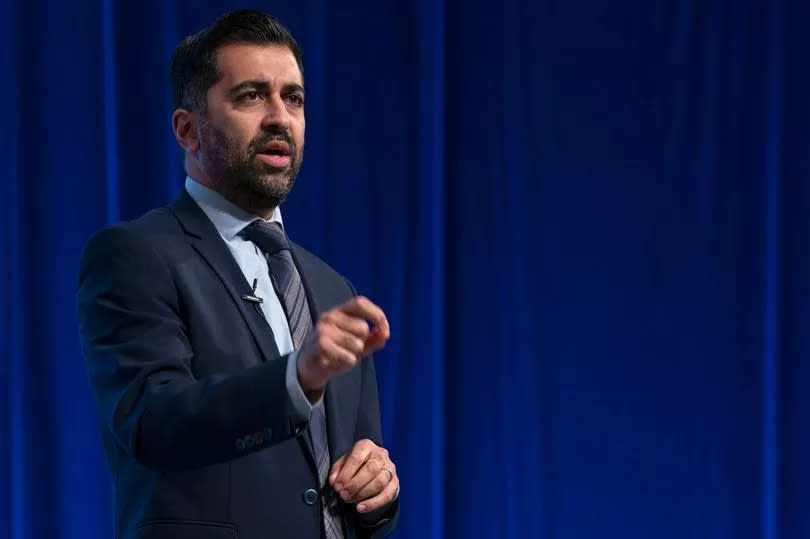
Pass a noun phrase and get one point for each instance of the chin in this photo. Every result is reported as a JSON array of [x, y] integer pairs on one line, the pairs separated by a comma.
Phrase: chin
[[272, 188], [276, 181]]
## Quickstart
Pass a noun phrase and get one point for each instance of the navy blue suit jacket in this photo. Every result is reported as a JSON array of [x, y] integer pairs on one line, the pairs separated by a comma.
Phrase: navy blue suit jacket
[[195, 416]]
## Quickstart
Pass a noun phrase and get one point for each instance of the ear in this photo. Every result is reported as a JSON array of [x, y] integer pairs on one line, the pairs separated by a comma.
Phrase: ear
[[185, 131]]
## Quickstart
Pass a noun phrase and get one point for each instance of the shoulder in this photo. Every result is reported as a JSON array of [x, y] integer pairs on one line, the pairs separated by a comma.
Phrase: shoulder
[[155, 228], [133, 243], [151, 227]]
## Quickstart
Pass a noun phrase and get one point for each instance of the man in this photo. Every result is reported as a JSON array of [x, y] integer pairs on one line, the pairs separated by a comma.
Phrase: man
[[232, 368]]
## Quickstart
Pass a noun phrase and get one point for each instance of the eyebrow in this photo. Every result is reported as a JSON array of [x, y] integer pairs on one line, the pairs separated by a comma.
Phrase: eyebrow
[[262, 85]]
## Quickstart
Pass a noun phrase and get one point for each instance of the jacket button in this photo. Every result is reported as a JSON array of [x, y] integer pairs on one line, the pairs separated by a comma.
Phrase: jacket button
[[310, 496]]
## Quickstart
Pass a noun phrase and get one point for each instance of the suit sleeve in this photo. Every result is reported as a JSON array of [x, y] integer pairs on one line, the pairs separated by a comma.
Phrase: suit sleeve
[[139, 361]]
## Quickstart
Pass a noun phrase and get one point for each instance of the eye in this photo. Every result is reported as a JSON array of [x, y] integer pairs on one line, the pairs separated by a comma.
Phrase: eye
[[247, 97], [296, 100]]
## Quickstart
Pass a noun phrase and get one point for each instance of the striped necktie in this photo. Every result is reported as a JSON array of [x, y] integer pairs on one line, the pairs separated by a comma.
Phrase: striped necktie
[[271, 239]]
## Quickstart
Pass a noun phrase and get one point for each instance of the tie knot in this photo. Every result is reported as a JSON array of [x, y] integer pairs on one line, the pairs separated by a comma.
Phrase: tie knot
[[269, 236]]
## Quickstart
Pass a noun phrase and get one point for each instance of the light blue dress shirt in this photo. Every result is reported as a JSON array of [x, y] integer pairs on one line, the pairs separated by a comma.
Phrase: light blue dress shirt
[[229, 220]]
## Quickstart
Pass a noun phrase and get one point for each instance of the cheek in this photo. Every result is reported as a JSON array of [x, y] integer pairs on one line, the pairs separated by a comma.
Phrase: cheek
[[241, 129], [242, 135], [299, 134]]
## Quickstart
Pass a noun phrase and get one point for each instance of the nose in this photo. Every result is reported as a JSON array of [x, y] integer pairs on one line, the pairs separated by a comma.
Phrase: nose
[[276, 115]]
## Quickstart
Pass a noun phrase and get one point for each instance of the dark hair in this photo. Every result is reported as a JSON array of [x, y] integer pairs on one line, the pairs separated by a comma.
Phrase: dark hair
[[194, 62]]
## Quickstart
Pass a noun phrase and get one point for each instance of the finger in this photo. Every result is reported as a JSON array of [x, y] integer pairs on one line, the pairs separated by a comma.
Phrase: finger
[[376, 484], [362, 307], [348, 323], [374, 342], [367, 474], [383, 498], [335, 470], [353, 343], [333, 355], [355, 459], [340, 337], [349, 342], [323, 355]]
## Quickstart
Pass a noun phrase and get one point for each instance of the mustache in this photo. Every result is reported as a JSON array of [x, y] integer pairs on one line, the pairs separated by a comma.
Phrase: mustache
[[269, 135]]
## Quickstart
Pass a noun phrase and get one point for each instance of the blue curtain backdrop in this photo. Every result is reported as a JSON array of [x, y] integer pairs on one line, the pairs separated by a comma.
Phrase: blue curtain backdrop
[[588, 222]]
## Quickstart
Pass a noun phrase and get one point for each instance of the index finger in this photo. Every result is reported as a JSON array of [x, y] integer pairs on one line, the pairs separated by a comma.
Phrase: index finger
[[363, 307], [355, 459], [336, 467]]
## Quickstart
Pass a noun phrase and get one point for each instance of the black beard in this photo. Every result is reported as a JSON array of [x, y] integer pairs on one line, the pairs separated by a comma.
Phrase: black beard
[[240, 177]]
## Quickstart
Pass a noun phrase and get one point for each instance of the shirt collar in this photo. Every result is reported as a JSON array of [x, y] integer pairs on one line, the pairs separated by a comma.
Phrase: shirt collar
[[228, 218]]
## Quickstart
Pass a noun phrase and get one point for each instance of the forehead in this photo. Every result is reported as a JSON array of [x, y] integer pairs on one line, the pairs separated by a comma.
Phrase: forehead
[[245, 61]]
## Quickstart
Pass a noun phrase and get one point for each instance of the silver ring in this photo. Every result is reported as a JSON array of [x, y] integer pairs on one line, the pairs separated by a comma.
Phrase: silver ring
[[390, 474]]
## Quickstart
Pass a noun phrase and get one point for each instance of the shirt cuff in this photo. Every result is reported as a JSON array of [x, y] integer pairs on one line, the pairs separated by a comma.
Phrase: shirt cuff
[[301, 407]]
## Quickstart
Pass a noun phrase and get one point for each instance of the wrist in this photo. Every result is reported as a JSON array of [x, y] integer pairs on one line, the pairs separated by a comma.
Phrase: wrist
[[312, 389], [314, 395]]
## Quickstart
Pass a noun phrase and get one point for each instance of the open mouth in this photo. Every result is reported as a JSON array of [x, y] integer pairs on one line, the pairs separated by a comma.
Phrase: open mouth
[[276, 154]]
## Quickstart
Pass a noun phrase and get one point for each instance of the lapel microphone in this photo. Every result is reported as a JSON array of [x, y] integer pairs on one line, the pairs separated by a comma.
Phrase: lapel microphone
[[256, 300]]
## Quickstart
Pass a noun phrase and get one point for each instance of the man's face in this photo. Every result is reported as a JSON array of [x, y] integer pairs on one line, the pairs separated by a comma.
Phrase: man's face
[[252, 135]]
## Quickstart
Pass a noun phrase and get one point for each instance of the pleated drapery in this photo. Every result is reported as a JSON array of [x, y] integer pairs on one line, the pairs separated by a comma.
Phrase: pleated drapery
[[588, 223]]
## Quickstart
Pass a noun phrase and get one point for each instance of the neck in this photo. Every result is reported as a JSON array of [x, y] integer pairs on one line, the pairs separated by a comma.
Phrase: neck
[[246, 201]]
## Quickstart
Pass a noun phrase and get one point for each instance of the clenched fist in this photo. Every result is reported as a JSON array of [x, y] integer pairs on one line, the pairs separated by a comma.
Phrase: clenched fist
[[340, 337]]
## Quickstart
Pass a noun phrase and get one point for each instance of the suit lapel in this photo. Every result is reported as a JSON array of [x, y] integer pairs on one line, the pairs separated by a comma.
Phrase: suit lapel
[[207, 242]]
